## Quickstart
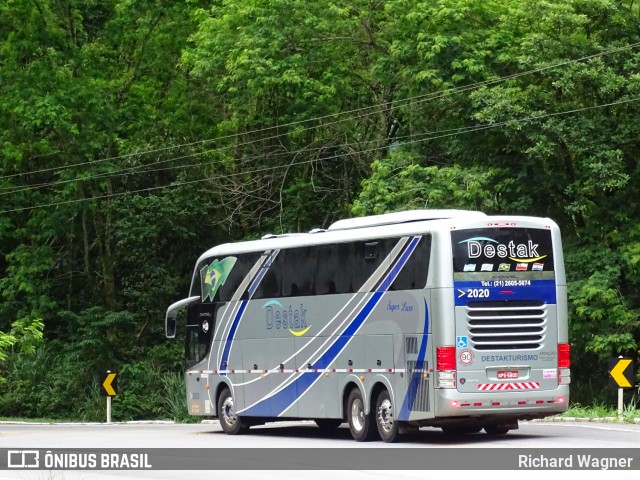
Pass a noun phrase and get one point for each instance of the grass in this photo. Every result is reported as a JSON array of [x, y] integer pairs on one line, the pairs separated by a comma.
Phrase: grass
[[176, 402], [596, 412]]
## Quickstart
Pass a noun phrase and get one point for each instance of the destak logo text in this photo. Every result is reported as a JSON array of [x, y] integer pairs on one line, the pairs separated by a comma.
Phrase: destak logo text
[[279, 317], [490, 248]]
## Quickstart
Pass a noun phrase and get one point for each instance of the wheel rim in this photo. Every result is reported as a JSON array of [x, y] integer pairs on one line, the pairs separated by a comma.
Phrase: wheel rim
[[357, 414], [228, 412], [385, 415]]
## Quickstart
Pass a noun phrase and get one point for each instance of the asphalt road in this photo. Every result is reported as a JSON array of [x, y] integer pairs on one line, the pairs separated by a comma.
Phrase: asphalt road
[[290, 436]]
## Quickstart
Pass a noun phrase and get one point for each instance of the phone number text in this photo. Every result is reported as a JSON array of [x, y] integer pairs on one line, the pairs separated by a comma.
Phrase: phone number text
[[507, 283]]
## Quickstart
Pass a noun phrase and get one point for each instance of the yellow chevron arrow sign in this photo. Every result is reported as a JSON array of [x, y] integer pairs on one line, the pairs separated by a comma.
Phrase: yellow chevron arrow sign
[[109, 384], [621, 372]]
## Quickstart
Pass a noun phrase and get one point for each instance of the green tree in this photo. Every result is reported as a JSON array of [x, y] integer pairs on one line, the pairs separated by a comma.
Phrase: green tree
[[400, 182], [86, 88], [284, 71]]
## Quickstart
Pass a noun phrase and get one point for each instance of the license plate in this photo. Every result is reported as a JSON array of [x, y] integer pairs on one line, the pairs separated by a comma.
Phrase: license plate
[[507, 374]]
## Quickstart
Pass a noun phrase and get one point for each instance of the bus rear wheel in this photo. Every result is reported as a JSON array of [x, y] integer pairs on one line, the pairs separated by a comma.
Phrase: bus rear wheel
[[360, 424], [496, 429], [386, 419], [229, 421]]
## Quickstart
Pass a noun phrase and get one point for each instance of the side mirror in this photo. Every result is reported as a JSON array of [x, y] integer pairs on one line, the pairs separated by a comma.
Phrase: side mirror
[[170, 326], [172, 314]]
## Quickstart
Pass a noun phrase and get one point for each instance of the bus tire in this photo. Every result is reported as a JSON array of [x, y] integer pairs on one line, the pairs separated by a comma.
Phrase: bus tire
[[361, 425], [328, 424], [386, 421], [460, 430], [496, 429], [229, 421]]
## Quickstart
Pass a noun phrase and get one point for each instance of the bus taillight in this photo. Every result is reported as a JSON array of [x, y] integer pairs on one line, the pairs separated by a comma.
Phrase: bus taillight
[[446, 358], [564, 355], [446, 366], [564, 363]]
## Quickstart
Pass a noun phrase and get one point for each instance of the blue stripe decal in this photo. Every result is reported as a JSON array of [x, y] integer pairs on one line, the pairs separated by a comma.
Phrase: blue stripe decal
[[243, 306], [232, 333], [420, 368], [272, 406], [290, 394], [262, 272], [476, 290]]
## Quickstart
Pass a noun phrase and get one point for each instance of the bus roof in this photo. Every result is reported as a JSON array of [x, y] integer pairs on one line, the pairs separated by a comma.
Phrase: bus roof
[[402, 217], [363, 228]]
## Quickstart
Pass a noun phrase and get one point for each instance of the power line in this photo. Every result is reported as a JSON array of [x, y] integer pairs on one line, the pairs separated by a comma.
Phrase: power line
[[397, 103], [136, 170], [423, 138]]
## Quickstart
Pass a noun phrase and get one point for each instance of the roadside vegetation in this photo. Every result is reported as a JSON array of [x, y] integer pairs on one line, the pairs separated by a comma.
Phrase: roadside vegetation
[[630, 413]]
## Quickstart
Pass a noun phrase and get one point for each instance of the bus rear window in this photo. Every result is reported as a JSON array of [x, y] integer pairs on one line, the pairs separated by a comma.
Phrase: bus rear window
[[502, 250]]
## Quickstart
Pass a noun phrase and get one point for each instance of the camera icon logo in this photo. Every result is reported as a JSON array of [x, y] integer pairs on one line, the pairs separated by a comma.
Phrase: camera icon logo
[[23, 459]]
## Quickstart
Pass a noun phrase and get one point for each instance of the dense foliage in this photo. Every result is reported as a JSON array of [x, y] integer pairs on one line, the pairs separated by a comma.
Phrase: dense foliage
[[134, 134]]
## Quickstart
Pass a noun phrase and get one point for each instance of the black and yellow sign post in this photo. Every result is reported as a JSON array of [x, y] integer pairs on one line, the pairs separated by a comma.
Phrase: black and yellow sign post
[[621, 376], [109, 388]]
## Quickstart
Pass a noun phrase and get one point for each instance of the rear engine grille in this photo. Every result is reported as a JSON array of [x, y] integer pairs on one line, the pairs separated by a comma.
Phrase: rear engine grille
[[507, 325], [411, 345], [418, 386]]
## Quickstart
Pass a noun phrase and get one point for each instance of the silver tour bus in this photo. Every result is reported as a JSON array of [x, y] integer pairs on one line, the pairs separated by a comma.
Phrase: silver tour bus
[[441, 318]]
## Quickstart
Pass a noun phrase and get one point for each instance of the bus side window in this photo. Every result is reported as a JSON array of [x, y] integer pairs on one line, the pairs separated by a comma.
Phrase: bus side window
[[332, 271], [345, 267], [196, 286], [414, 274], [297, 267], [271, 284], [244, 263], [366, 257]]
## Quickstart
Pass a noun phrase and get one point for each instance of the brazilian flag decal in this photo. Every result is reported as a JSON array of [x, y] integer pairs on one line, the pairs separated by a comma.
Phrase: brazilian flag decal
[[214, 275]]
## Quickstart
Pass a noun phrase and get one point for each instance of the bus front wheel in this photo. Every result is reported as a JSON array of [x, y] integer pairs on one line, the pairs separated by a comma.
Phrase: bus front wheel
[[360, 424], [229, 421]]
